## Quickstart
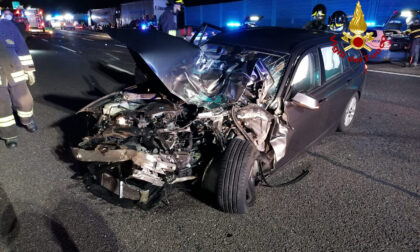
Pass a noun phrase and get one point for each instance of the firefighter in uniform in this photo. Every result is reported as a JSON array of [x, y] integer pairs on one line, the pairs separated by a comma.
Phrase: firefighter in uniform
[[16, 71], [319, 13], [414, 31], [168, 19], [338, 22]]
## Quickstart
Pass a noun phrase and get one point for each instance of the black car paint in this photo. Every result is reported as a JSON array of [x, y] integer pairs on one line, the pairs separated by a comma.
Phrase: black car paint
[[333, 96]]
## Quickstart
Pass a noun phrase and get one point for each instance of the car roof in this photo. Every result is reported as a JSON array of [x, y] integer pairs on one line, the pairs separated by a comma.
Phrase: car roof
[[271, 39]]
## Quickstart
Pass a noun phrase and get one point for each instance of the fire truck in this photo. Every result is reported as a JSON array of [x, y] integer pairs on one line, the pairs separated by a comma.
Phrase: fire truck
[[37, 25]]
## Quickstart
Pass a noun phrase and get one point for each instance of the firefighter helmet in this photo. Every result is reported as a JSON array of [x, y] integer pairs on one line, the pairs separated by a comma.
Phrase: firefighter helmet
[[338, 21], [319, 12], [173, 2]]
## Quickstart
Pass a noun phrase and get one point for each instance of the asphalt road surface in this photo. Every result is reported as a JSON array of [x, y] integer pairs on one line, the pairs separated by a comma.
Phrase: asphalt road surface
[[362, 192]]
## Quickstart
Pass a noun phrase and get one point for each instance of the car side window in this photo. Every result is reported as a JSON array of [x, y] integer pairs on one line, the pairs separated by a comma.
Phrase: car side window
[[276, 65], [307, 75], [333, 65]]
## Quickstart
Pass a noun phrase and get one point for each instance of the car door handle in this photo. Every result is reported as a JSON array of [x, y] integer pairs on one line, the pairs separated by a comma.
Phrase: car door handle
[[323, 100]]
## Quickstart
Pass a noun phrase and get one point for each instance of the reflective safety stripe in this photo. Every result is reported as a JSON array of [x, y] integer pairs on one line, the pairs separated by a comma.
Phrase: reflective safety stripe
[[7, 121], [27, 62], [26, 57], [17, 74], [25, 114], [21, 78], [172, 33], [7, 118], [9, 138], [7, 124], [418, 30]]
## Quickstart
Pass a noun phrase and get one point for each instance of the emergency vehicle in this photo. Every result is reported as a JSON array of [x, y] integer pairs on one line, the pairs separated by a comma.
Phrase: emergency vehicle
[[20, 18], [391, 38], [36, 21]]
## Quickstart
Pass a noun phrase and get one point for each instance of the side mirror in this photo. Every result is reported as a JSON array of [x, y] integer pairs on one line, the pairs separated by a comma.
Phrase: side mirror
[[305, 101]]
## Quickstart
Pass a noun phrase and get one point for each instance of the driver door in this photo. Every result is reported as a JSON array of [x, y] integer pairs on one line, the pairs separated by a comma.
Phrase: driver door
[[306, 124]]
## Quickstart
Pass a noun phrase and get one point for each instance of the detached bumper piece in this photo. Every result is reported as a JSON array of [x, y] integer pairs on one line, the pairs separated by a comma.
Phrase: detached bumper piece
[[126, 191], [150, 165]]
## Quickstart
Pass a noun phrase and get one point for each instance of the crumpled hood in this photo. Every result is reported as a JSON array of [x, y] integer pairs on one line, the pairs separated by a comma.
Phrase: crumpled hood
[[193, 74], [163, 53]]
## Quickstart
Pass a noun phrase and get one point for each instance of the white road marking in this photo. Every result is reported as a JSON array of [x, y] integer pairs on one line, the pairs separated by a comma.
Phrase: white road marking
[[68, 49], [96, 35], [91, 40], [123, 46], [44, 40], [119, 69], [86, 34], [400, 74], [112, 56]]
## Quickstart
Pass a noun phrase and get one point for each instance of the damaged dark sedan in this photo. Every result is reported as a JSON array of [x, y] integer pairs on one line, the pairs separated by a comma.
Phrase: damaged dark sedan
[[222, 115]]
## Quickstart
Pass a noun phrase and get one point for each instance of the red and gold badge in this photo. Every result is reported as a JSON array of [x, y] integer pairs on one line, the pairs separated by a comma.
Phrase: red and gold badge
[[358, 26]]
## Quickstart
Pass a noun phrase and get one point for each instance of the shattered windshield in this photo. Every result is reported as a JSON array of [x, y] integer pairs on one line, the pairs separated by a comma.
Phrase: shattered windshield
[[205, 34], [220, 75]]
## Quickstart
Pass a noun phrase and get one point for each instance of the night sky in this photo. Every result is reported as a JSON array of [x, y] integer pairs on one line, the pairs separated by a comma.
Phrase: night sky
[[84, 5]]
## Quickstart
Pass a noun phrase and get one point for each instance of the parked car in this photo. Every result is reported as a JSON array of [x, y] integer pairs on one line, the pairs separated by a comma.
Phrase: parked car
[[68, 25], [79, 26], [222, 114]]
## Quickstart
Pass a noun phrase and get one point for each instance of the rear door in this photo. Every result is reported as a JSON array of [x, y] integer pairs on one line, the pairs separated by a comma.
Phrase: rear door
[[337, 77]]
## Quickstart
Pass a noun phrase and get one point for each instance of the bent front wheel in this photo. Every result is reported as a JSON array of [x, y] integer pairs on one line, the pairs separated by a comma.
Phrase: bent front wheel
[[236, 182]]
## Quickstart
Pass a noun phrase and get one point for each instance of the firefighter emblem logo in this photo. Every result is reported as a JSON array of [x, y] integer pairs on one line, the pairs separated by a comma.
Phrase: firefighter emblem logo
[[357, 26], [10, 42]]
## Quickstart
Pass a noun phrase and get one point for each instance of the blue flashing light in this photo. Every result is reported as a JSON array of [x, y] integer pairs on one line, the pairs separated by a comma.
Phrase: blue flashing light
[[143, 27], [233, 24], [371, 23]]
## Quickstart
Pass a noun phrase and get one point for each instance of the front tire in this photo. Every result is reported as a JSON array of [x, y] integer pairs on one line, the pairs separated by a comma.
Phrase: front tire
[[349, 114], [236, 182]]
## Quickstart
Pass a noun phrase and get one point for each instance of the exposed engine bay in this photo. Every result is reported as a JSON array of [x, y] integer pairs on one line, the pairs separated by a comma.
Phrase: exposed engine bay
[[142, 139]]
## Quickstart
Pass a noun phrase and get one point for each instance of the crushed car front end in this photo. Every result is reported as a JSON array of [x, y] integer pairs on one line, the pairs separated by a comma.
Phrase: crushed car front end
[[172, 129]]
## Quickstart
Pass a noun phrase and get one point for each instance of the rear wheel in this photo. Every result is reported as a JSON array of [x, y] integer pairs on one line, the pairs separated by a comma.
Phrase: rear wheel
[[236, 182], [349, 114]]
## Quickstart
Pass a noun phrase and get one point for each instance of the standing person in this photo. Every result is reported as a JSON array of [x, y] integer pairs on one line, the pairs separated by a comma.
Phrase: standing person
[[319, 14], [338, 22], [16, 71], [19, 22], [414, 30], [168, 19]]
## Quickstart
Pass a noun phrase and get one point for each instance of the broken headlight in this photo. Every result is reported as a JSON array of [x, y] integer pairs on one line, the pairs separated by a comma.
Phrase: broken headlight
[[124, 121]]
